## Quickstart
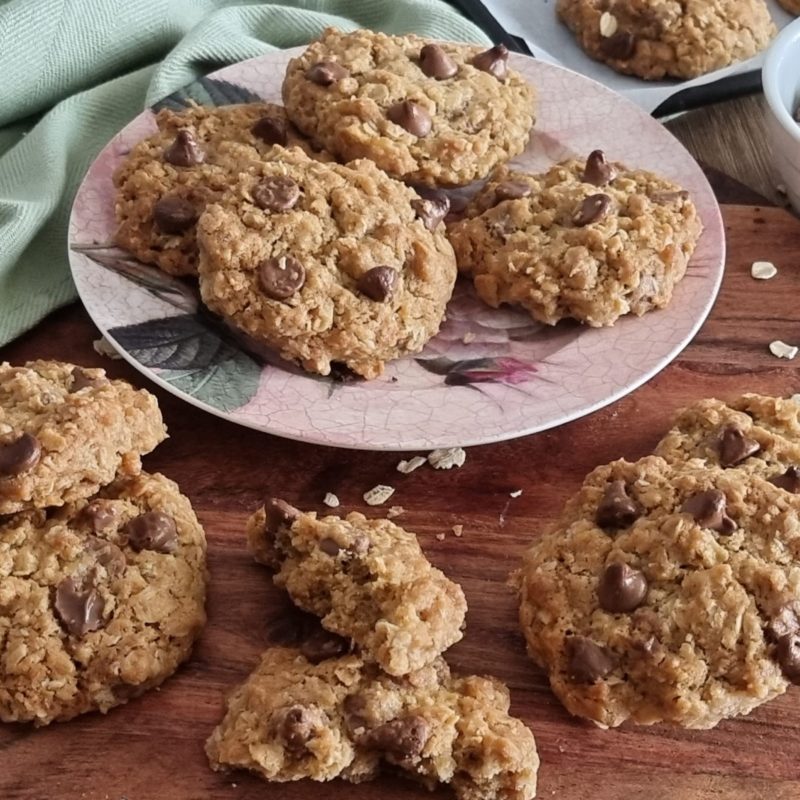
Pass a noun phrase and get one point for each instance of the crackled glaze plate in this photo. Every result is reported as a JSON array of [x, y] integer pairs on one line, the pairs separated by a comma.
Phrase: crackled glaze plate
[[489, 375]]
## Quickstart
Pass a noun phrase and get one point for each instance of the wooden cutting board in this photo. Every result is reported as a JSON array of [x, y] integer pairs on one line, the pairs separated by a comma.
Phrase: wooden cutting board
[[153, 747]]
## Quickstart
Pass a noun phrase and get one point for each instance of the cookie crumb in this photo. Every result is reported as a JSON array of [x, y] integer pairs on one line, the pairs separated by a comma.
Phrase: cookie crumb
[[468, 337], [782, 350], [458, 529], [331, 500], [515, 493], [440, 537], [409, 466], [763, 270], [378, 495], [395, 511], [104, 348], [447, 458]]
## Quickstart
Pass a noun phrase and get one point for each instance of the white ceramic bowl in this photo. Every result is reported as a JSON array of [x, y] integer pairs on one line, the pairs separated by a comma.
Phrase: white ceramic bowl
[[781, 77]]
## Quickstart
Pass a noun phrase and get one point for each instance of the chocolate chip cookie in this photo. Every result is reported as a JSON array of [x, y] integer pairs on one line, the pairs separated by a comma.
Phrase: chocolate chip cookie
[[327, 263], [667, 593], [368, 581], [99, 600], [65, 431], [657, 39], [435, 113], [589, 240], [343, 718], [168, 179]]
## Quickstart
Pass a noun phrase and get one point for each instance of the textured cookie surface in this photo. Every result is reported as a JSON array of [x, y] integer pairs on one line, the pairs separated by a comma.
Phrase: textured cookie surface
[[667, 594], [445, 116], [655, 39], [342, 718], [188, 176], [65, 431], [368, 580], [99, 601], [587, 240], [324, 262]]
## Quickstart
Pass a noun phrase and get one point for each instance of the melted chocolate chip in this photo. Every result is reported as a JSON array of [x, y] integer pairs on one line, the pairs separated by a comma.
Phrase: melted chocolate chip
[[431, 207], [592, 210], [511, 190], [174, 215], [785, 622], [378, 283], [359, 714], [734, 447], [281, 277], [280, 514], [325, 73], [320, 645], [787, 652], [789, 480], [494, 61], [296, 726], [598, 171], [20, 455], [79, 608], [621, 588], [435, 63], [622, 45], [617, 509], [410, 116], [81, 379], [152, 530], [330, 547], [184, 151], [271, 130], [402, 739], [709, 510], [100, 515], [277, 193], [587, 662]]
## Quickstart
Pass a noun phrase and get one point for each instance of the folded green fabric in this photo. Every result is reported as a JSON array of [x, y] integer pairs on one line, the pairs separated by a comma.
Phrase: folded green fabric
[[74, 72]]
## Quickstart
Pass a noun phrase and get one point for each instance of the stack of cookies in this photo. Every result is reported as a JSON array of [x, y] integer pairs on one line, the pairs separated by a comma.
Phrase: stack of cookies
[[318, 230], [102, 566], [669, 589], [371, 687]]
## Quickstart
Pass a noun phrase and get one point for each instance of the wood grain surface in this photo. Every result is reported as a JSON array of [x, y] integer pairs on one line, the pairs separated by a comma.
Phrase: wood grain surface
[[153, 747]]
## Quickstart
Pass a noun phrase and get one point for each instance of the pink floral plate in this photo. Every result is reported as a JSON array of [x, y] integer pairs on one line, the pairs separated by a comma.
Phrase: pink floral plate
[[489, 375]]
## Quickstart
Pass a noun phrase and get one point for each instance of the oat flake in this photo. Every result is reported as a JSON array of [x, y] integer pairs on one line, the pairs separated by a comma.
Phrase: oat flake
[[378, 495], [447, 458], [782, 350], [331, 500], [763, 270], [409, 466]]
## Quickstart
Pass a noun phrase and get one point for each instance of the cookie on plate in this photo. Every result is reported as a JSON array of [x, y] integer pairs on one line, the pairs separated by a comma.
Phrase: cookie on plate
[[435, 113], [590, 240], [667, 594], [367, 580], [657, 39], [99, 601], [293, 719], [65, 431], [755, 434], [327, 263], [167, 180]]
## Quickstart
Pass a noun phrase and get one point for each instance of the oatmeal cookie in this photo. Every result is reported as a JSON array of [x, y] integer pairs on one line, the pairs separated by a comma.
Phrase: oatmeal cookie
[[343, 718], [65, 431], [99, 601], [435, 113], [667, 594], [167, 180], [657, 39], [586, 240], [327, 263], [368, 580]]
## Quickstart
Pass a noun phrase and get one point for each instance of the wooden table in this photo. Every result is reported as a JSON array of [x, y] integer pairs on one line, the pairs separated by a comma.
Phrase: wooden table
[[152, 748]]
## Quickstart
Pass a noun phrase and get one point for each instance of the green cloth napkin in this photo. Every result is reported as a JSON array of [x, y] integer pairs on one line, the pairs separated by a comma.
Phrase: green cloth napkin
[[73, 72]]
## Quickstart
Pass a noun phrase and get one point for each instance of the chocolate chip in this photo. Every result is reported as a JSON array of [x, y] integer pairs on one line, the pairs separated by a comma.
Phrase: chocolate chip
[[325, 73], [272, 130], [494, 61], [79, 608], [152, 530], [330, 547], [411, 116], [435, 63], [621, 588], [184, 151], [785, 622], [598, 171], [709, 510], [592, 209], [320, 645], [787, 652], [174, 215], [100, 515], [617, 509], [358, 714], [587, 662], [511, 190], [277, 193], [403, 738], [296, 726], [621, 45], [20, 455], [280, 514], [378, 283], [83, 380], [431, 207], [789, 480], [734, 447], [107, 554], [281, 277]]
